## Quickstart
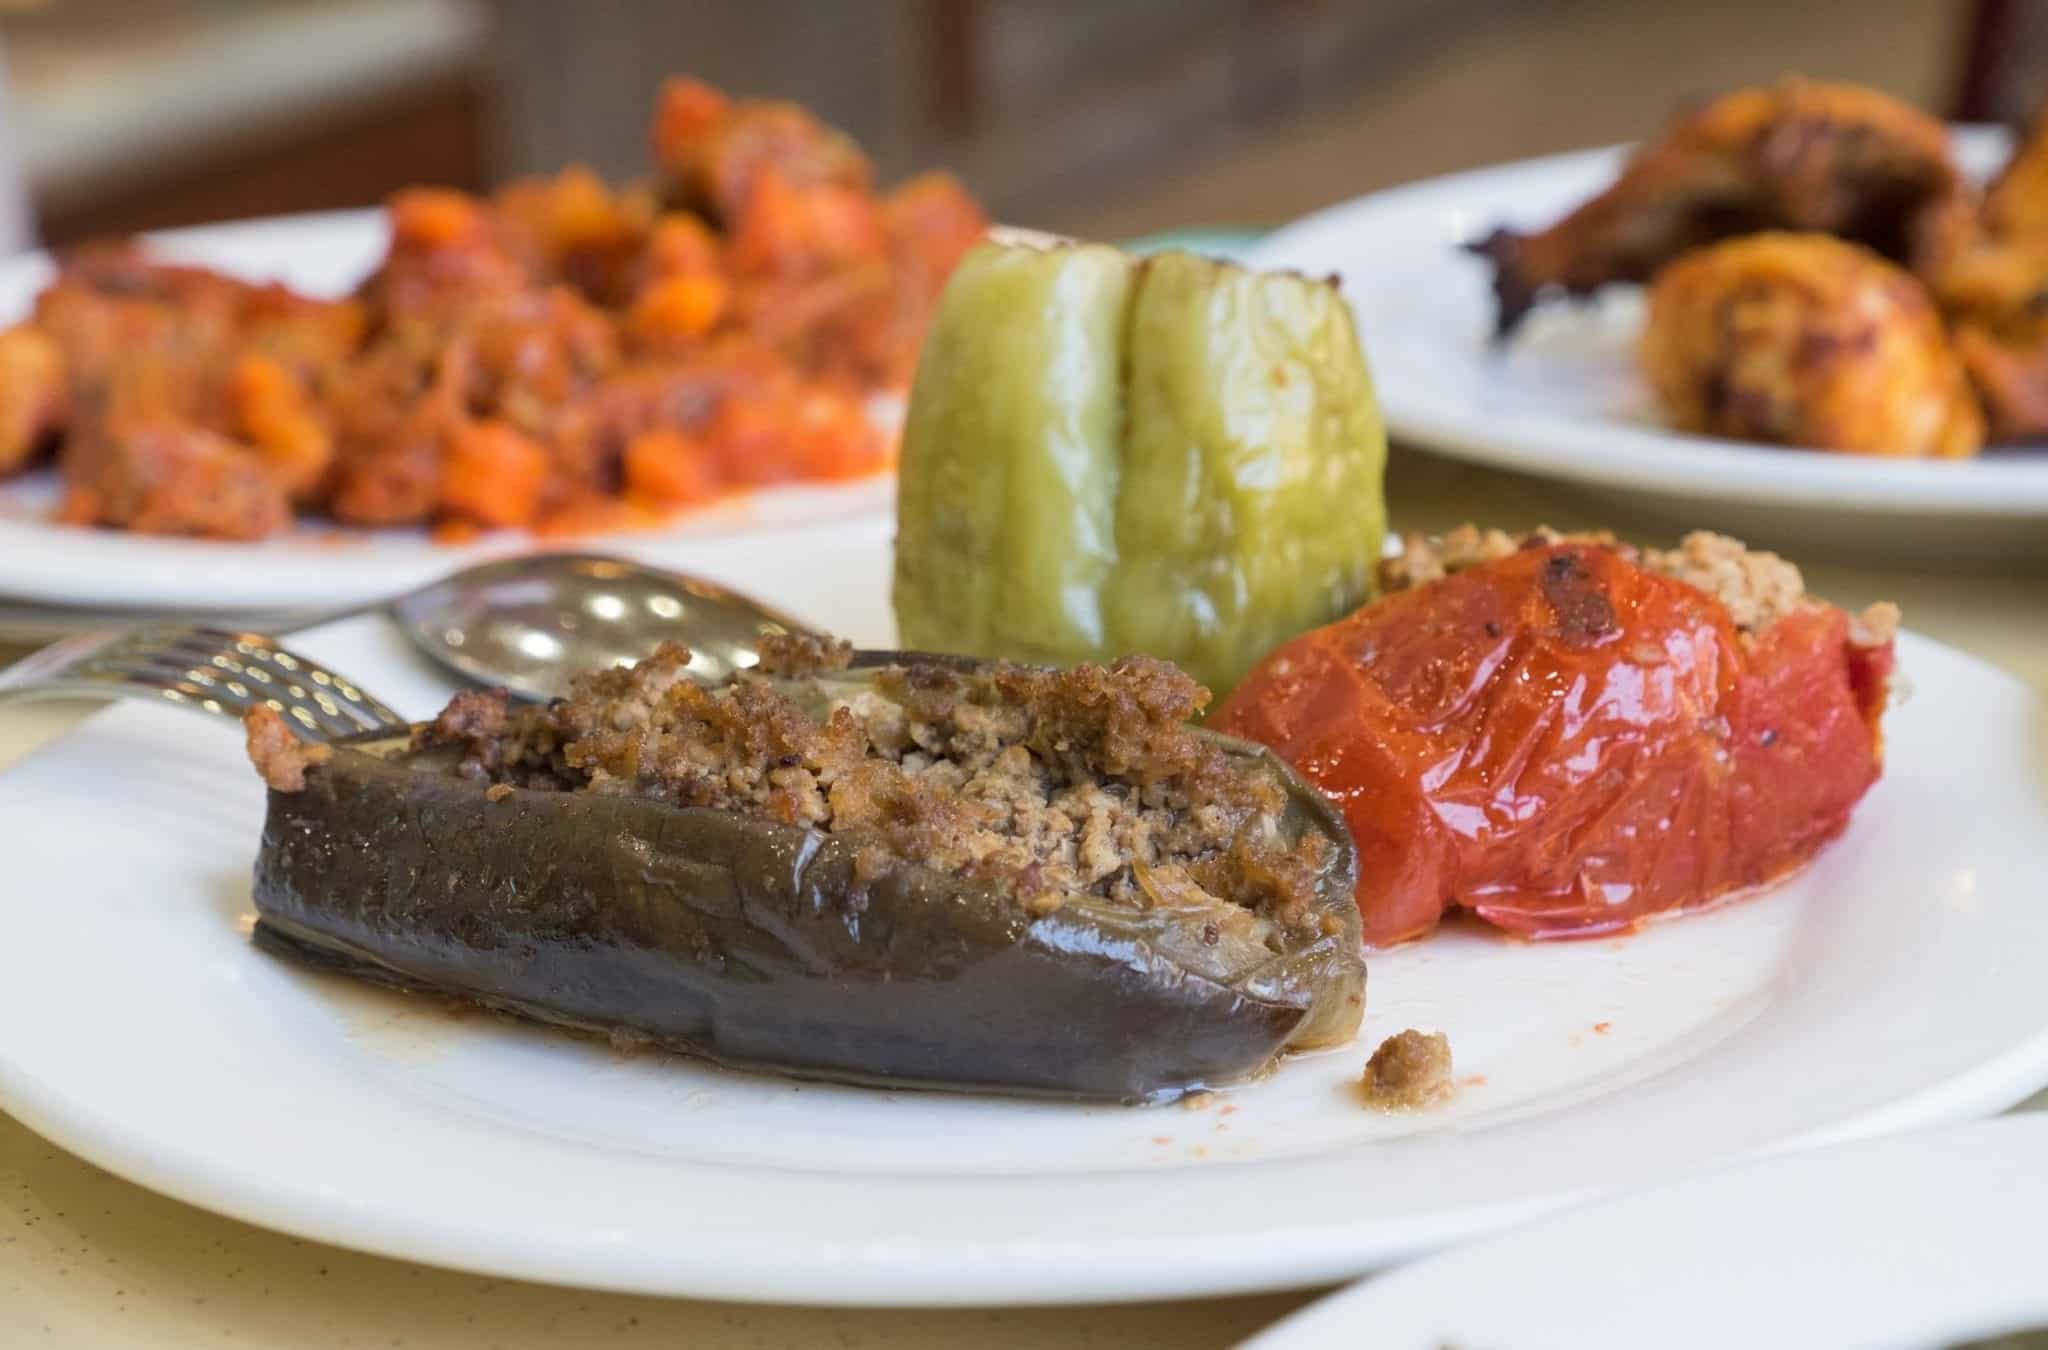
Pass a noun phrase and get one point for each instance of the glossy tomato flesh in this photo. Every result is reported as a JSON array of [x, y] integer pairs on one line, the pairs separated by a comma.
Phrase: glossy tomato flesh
[[1566, 743]]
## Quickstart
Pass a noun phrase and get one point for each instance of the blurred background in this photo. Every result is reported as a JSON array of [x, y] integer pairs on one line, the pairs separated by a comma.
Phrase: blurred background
[[1108, 118]]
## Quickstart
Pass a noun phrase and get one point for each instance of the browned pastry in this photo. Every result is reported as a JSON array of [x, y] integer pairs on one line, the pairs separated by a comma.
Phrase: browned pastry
[[1835, 158], [1804, 339]]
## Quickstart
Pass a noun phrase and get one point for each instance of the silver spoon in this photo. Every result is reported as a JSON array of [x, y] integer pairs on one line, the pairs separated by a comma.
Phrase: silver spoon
[[531, 622]]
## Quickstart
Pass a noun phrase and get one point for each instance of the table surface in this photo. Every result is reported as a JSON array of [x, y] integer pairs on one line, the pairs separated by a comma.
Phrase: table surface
[[91, 1261]]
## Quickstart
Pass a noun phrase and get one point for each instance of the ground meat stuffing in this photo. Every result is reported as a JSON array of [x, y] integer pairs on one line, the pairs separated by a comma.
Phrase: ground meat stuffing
[[795, 654], [1048, 783], [1757, 587], [1425, 557], [279, 756], [1876, 625], [1411, 1069]]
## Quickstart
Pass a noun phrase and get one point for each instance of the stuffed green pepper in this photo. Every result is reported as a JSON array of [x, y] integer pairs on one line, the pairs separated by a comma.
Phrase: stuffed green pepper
[[1106, 454]]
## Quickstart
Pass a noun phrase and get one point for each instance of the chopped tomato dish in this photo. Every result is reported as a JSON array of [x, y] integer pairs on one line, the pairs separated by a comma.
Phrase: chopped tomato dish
[[1567, 738], [564, 355]]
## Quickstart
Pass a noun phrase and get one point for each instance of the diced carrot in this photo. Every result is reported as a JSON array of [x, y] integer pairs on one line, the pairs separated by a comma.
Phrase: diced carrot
[[272, 412], [669, 468], [259, 379], [581, 209], [679, 307], [788, 229], [844, 441], [435, 217], [688, 109], [933, 219], [588, 515], [681, 243], [790, 433], [493, 474], [455, 531]]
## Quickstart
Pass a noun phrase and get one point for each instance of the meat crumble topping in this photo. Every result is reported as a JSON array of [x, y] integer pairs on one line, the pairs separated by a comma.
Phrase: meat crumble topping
[[1756, 586], [1051, 783], [797, 654], [280, 757]]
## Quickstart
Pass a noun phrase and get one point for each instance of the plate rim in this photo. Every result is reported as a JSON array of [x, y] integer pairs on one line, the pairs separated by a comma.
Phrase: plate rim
[[1324, 1321], [956, 1273]]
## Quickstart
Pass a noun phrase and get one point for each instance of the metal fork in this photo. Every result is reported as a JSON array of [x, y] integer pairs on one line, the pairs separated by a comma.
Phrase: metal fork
[[210, 670]]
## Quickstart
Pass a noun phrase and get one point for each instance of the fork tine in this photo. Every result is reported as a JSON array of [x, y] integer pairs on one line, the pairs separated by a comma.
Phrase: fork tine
[[207, 700], [292, 668], [262, 653], [215, 670], [228, 699]]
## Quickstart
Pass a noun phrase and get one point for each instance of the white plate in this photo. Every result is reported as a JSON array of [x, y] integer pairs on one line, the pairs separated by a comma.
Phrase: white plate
[[1896, 1244], [315, 565], [1897, 984], [1564, 400]]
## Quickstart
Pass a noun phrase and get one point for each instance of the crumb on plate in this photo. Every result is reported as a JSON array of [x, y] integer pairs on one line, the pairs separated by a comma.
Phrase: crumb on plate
[[1410, 1070]]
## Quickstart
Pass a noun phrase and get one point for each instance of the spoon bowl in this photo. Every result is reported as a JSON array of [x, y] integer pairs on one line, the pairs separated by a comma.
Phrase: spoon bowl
[[529, 623]]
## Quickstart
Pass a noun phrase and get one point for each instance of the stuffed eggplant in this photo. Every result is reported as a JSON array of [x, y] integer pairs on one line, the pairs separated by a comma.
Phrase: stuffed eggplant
[[920, 873]]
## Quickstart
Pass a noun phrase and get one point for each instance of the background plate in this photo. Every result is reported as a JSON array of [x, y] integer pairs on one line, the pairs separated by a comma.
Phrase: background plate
[[1563, 400], [1896, 984], [1916, 1243]]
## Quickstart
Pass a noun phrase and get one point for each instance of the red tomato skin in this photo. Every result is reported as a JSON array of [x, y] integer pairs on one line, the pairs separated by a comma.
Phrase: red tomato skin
[[1568, 744]]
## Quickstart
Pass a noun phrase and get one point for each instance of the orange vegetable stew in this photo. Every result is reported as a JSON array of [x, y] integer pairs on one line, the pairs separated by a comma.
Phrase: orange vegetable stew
[[565, 355]]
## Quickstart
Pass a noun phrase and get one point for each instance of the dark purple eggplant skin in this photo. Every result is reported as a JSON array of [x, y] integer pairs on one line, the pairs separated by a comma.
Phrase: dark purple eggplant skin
[[755, 945]]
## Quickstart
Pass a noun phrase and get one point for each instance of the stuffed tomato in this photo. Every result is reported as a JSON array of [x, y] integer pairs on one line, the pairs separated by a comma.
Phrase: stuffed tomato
[[1567, 737]]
